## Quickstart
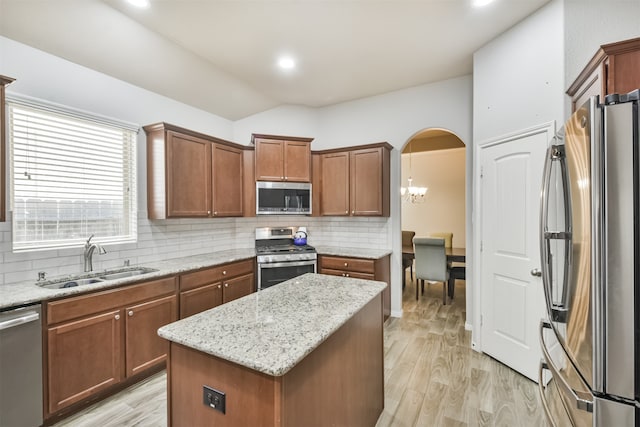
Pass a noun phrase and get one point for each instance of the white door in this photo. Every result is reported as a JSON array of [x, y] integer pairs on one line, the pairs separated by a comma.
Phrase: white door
[[512, 297]]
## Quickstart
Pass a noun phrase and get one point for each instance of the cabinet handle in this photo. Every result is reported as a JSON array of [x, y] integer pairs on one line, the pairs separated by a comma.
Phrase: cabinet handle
[[226, 285], [117, 317], [130, 313]]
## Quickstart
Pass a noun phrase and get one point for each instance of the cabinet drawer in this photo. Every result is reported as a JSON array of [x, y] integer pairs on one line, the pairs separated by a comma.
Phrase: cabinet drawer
[[348, 264], [215, 274], [353, 274], [84, 305]]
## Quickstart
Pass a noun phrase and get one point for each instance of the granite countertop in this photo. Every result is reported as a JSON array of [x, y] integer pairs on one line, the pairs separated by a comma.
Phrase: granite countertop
[[272, 330], [353, 252], [28, 292]]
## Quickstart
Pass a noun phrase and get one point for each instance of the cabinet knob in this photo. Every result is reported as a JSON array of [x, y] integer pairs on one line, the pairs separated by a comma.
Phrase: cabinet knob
[[219, 286], [282, 177], [208, 212], [353, 212], [346, 264], [347, 212], [346, 275], [343, 275], [117, 317], [130, 313], [285, 178], [215, 213], [226, 285], [224, 272]]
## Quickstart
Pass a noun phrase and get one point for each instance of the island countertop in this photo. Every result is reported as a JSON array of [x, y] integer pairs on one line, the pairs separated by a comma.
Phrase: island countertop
[[272, 330]]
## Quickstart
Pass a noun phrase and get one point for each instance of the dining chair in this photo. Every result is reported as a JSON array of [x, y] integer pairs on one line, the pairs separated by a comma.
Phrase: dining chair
[[448, 238], [431, 263], [407, 240]]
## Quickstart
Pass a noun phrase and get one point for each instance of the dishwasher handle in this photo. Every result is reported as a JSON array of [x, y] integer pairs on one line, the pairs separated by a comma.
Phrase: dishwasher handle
[[27, 317]]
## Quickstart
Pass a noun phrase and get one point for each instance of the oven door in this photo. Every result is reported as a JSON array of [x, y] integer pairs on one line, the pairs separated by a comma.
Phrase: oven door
[[270, 274]]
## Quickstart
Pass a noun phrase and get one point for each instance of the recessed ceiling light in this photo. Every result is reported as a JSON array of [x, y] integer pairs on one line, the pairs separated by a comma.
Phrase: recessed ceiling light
[[286, 63], [143, 4], [480, 3]]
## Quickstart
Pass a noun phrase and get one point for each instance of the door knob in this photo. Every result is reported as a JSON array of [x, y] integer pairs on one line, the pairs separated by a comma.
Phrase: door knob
[[536, 272]]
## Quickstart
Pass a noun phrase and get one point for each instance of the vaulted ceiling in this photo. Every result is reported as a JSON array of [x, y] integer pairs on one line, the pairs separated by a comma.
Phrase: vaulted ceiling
[[220, 55]]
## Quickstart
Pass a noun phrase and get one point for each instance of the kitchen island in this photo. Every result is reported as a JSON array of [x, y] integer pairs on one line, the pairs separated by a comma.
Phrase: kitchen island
[[307, 352]]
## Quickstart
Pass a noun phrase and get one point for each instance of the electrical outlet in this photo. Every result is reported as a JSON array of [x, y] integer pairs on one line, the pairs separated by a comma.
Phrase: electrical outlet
[[214, 399]]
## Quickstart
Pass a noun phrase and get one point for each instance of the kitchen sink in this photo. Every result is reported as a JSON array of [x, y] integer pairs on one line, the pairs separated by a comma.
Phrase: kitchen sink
[[122, 273], [95, 277], [70, 283]]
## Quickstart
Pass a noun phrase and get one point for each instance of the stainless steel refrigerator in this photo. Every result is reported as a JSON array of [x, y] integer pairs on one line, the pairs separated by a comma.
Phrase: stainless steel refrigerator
[[590, 244]]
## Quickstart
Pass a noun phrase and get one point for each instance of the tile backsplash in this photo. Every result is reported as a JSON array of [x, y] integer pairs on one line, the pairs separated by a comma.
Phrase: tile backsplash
[[164, 239]]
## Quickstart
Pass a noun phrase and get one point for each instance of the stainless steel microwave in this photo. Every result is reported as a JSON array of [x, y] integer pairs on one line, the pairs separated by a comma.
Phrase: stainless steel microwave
[[283, 198]]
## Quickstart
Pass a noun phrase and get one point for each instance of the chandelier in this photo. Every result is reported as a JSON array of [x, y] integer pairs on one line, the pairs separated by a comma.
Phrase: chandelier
[[411, 193]]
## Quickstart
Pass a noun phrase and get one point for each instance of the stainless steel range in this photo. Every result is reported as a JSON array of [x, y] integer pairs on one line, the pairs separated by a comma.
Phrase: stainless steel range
[[279, 259]]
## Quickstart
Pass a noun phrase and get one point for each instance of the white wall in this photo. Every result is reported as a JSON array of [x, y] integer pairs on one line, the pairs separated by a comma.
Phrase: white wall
[[443, 173], [518, 83]]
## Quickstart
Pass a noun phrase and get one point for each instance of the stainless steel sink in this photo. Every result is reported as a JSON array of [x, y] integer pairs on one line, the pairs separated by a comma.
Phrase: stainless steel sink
[[96, 277], [122, 273], [71, 283]]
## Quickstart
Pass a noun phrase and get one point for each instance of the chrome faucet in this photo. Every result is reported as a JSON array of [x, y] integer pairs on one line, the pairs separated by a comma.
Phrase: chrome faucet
[[88, 253]]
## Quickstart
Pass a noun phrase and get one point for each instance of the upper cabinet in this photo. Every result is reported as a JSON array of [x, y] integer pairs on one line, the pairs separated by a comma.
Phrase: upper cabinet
[[282, 158], [4, 81], [613, 69], [355, 181], [191, 175]]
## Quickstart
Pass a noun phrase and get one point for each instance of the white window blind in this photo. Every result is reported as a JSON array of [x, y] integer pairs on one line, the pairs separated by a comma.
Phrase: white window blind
[[72, 176]]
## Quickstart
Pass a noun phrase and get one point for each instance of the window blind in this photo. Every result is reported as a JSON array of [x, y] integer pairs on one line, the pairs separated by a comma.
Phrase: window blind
[[72, 177]]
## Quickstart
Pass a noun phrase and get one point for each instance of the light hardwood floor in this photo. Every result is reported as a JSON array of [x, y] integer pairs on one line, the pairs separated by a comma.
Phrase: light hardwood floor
[[432, 378]]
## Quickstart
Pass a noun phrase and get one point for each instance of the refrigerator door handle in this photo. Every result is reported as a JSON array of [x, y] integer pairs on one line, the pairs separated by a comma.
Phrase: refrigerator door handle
[[582, 401], [541, 388], [557, 311]]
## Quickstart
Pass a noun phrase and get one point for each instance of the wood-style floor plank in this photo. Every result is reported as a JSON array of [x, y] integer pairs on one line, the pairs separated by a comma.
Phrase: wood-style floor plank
[[432, 378]]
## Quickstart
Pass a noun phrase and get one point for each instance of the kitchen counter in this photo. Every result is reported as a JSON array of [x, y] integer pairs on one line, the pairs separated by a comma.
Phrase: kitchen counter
[[306, 352], [28, 292], [353, 252], [272, 330]]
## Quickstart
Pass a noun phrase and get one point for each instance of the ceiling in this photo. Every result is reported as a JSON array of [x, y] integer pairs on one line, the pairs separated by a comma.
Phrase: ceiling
[[220, 55]]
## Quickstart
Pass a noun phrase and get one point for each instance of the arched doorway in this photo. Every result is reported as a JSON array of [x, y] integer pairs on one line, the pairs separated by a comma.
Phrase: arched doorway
[[434, 159]]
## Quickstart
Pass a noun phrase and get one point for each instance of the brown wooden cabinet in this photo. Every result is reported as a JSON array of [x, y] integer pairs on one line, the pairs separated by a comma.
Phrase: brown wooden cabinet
[[97, 340], [355, 181], [4, 81], [613, 69], [210, 287], [282, 158], [192, 175], [360, 268]]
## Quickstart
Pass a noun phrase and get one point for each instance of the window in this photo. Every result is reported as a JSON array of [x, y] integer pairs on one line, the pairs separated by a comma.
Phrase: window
[[73, 175]]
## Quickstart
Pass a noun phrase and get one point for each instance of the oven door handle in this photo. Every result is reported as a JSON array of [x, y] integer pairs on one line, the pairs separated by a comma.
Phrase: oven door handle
[[286, 264]]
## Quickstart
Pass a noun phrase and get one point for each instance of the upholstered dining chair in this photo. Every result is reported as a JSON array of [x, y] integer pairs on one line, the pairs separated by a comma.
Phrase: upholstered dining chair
[[431, 263], [448, 238], [407, 240]]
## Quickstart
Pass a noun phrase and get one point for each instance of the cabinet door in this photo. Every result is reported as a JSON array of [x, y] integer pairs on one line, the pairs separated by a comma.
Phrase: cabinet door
[[623, 75], [238, 287], [227, 180], [188, 176], [297, 161], [269, 160], [200, 299], [84, 357], [366, 182], [335, 184], [143, 347]]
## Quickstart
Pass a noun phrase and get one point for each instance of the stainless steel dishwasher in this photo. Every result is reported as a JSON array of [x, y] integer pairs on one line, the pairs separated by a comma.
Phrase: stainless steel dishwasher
[[21, 367]]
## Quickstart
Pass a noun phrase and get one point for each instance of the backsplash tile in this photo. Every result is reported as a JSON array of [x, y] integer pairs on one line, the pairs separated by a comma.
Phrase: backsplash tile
[[165, 239]]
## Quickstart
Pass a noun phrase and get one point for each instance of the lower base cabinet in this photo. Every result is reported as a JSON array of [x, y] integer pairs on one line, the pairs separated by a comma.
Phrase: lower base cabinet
[[95, 341], [360, 268], [208, 288]]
